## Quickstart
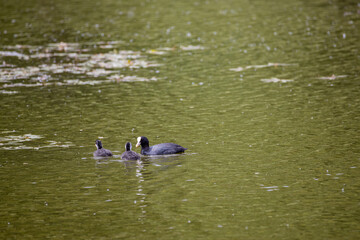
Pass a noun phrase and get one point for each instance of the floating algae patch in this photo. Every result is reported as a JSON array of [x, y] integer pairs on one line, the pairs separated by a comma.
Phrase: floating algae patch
[[156, 52], [10, 74], [240, 69], [99, 72], [13, 139], [58, 144], [191, 48], [14, 54], [8, 92], [332, 77], [5, 65], [19, 142], [63, 64], [122, 78], [89, 82], [276, 80], [15, 142], [69, 82]]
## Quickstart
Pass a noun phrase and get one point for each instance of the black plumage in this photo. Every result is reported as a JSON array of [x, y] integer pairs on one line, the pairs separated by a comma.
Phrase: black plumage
[[159, 149], [101, 152], [128, 154]]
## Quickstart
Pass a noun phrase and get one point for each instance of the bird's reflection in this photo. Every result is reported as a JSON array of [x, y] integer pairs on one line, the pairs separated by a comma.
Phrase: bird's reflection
[[147, 169], [140, 193], [144, 172]]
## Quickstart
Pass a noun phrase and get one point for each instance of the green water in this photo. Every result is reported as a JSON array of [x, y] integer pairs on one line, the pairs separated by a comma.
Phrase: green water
[[265, 96]]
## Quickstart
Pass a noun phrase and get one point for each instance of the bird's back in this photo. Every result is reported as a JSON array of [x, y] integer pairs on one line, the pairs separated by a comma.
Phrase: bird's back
[[130, 155], [102, 153], [165, 148]]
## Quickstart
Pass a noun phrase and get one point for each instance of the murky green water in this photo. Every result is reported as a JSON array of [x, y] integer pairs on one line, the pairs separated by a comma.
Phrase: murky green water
[[265, 95]]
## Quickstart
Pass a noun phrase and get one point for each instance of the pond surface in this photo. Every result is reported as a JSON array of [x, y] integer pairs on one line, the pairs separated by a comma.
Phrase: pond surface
[[265, 96]]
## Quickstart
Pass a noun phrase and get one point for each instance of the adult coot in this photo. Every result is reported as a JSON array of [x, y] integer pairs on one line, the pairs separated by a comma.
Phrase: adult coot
[[128, 154], [159, 149], [101, 152]]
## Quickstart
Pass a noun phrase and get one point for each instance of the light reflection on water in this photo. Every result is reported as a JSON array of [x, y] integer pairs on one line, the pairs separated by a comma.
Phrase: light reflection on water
[[265, 96]]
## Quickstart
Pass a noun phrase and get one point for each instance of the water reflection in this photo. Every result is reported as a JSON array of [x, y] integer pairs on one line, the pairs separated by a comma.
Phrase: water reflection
[[141, 193], [159, 161], [145, 169]]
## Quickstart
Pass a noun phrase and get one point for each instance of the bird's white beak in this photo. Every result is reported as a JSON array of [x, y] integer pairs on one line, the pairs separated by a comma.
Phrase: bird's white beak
[[138, 142]]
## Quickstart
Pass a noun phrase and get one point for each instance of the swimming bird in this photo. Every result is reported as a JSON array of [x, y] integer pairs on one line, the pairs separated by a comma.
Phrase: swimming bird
[[101, 152], [159, 149], [128, 154]]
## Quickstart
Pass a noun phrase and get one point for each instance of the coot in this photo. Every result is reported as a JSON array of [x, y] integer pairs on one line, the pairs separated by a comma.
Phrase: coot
[[159, 149], [128, 154], [101, 152]]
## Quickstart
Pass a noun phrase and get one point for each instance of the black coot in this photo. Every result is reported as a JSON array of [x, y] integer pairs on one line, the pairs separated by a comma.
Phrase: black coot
[[159, 149], [128, 154], [101, 152]]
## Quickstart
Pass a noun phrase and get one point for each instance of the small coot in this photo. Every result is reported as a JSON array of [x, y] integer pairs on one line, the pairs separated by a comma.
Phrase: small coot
[[101, 152], [159, 149], [128, 154]]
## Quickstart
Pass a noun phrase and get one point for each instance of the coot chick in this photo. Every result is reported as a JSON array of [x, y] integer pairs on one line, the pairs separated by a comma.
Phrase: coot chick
[[101, 152], [128, 154], [159, 149]]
